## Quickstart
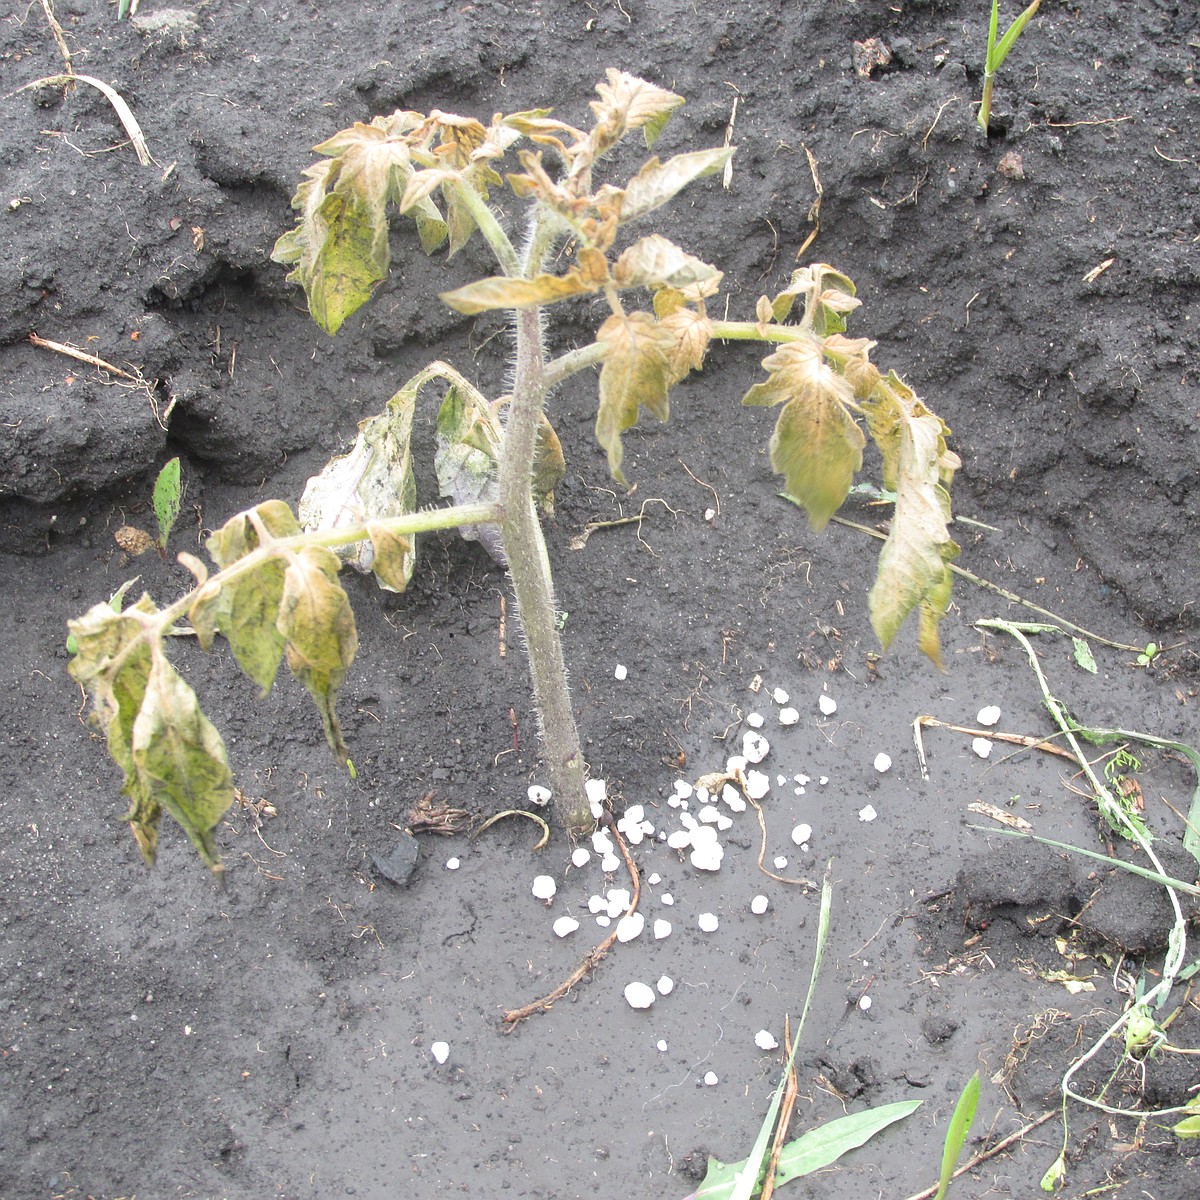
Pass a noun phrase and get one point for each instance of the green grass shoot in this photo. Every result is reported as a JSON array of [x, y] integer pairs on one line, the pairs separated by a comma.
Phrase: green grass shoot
[[997, 52], [956, 1133], [167, 491], [817, 1148]]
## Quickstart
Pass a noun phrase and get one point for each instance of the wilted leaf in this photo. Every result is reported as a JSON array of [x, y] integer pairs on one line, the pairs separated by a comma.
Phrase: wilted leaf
[[1083, 655], [817, 445], [914, 566], [690, 334], [181, 763], [393, 561], [503, 291], [372, 482], [340, 248], [627, 102], [317, 623], [657, 182], [636, 372], [656, 261], [247, 607]]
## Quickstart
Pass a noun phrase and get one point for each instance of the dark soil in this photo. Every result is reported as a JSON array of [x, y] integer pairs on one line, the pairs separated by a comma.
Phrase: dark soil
[[164, 1037]]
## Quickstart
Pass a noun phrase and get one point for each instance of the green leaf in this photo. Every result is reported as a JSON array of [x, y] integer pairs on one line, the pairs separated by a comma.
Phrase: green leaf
[[317, 622], [914, 566], [372, 482], [1083, 655], [636, 373], [180, 760], [817, 445], [1055, 1175], [1189, 1127], [998, 51], [658, 182], [957, 1132], [166, 501], [811, 1152]]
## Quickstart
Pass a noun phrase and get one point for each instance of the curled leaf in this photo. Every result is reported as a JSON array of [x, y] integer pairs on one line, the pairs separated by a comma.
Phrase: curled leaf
[[626, 102], [656, 261]]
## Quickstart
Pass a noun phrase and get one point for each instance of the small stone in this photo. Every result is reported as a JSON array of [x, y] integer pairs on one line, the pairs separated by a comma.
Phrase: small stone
[[883, 762], [765, 1040], [665, 985], [440, 1052], [864, 1003], [828, 705], [398, 867], [710, 1079], [452, 864], [621, 672], [989, 716], [867, 814], [759, 905], [661, 1045]]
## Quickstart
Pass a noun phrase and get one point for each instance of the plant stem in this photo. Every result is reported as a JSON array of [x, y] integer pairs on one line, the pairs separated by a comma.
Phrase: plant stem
[[529, 569]]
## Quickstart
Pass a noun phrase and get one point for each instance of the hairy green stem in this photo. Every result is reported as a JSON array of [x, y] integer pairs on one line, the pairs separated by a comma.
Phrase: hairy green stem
[[529, 569]]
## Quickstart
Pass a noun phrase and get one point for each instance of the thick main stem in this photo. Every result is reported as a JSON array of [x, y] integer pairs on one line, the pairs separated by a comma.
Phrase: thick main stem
[[529, 568]]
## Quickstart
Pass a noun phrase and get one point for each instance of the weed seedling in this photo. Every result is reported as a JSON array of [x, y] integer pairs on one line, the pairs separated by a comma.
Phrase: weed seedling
[[997, 52], [275, 592]]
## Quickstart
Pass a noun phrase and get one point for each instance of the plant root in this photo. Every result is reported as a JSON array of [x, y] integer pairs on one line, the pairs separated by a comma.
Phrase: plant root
[[593, 958]]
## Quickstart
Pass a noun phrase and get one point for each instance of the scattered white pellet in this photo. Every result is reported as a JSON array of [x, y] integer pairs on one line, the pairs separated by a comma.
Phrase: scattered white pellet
[[597, 793], [662, 929], [667, 899], [665, 985], [989, 716], [867, 814], [440, 1052], [609, 863], [755, 747], [564, 926], [780, 696], [452, 864], [981, 746], [538, 795], [604, 920], [629, 927], [544, 887], [734, 800], [801, 780], [764, 1040], [683, 789], [639, 995], [780, 862], [621, 672], [710, 1079], [661, 1045], [864, 1002], [710, 514], [883, 762], [580, 856], [802, 835], [827, 704], [680, 839], [597, 904], [823, 780], [602, 842], [709, 814], [617, 901], [759, 905], [788, 716], [755, 720], [757, 785], [654, 880], [708, 922], [708, 858]]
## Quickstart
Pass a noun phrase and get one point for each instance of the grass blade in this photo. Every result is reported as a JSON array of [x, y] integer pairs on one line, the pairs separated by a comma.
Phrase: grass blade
[[956, 1134], [123, 111]]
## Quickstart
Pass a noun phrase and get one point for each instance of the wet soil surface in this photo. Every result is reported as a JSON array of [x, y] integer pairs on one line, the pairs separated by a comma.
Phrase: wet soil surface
[[161, 1036]]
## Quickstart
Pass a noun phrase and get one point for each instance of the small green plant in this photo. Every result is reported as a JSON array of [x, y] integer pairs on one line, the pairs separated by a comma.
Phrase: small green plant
[[997, 52], [165, 498], [1151, 651], [957, 1132], [275, 593]]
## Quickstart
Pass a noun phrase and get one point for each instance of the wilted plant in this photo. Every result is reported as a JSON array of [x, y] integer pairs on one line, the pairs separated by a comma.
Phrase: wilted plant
[[997, 52], [275, 592]]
